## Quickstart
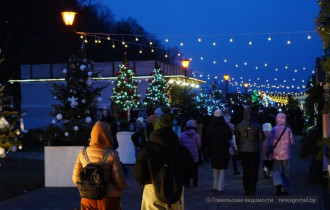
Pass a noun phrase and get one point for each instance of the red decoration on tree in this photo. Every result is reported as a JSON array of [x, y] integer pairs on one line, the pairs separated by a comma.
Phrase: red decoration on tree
[[118, 73], [161, 71], [136, 100], [152, 73], [147, 91], [162, 90], [127, 80], [126, 65], [150, 80], [130, 91]]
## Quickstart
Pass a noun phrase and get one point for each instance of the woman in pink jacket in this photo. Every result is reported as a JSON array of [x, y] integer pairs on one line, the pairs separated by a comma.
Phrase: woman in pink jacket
[[192, 141], [281, 154]]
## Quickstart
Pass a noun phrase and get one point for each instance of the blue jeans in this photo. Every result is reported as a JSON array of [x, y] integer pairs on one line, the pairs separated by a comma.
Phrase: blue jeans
[[281, 169]]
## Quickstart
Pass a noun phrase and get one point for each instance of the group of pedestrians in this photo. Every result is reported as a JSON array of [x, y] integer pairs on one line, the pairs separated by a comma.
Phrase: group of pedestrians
[[219, 137]]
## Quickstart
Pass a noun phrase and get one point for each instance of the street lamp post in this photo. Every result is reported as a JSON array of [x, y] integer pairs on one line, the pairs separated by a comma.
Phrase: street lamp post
[[185, 65], [246, 85], [68, 19], [226, 77]]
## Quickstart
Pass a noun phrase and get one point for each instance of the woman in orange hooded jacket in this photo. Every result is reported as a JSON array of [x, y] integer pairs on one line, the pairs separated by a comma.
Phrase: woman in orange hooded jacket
[[101, 143]]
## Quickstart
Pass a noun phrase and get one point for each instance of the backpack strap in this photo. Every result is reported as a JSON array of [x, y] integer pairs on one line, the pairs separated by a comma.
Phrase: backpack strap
[[86, 156], [106, 157], [103, 160]]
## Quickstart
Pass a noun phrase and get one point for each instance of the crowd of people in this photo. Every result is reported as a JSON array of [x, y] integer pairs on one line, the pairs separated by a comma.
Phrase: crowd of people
[[243, 134]]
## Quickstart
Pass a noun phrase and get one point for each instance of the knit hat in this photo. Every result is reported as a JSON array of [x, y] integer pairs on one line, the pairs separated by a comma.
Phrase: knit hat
[[267, 127], [190, 123], [158, 112], [166, 120], [140, 119], [218, 113]]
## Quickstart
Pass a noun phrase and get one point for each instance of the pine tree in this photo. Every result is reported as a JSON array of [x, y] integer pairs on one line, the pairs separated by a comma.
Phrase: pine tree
[[125, 94], [76, 109], [256, 99], [9, 133], [156, 92]]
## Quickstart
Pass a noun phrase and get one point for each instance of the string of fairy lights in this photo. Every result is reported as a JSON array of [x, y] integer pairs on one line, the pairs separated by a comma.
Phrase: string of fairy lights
[[276, 85]]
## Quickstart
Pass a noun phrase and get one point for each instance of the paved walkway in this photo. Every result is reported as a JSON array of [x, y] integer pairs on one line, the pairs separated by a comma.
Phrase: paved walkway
[[196, 198]]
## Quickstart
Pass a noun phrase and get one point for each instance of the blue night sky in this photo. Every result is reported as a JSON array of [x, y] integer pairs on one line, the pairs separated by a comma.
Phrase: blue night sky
[[243, 21]]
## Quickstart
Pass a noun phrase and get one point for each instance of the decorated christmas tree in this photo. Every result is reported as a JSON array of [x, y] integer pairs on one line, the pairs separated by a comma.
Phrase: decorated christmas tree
[[125, 96], [156, 92], [9, 133], [256, 99], [210, 98], [76, 109]]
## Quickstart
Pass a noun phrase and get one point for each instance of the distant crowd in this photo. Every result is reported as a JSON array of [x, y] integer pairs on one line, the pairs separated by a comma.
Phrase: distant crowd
[[169, 150]]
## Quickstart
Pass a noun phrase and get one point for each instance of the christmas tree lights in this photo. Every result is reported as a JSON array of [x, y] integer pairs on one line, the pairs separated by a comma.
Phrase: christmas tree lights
[[125, 94], [156, 93]]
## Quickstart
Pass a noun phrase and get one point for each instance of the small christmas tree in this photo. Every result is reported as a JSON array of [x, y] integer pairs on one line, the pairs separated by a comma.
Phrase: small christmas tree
[[77, 108], [9, 134], [156, 92], [256, 99], [125, 96]]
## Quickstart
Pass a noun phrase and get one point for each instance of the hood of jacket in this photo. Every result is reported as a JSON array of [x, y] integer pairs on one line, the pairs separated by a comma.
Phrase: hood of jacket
[[247, 115], [218, 120], [165, 137], [190, 132], [101, 136], [281, 119]]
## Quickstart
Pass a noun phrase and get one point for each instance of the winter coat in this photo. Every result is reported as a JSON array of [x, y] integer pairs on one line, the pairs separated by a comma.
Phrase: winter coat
[[249, 133], [192, 141], [166, 141], [140, 134], [101, 143], [282, 149], [149, 162], [218, 138]]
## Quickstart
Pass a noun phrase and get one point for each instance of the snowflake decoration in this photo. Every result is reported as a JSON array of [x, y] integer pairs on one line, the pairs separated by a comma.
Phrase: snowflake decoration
[[73, 101]]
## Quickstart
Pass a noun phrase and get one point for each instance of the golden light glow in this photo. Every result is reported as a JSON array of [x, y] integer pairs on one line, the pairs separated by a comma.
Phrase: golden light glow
[[185, 63], [68, 17], [246, 85], [226, 77]]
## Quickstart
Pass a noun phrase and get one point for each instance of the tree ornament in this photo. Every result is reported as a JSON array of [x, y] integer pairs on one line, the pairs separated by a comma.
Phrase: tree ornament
[[54, 121], [75, 128], [161, 71], [88, 119], [13, 148], [130, 91], [118, 73], [65, 71], [89, 82], [2, 151], [127, 80], [82, 67], [18, 133], [20, 147], [150, 80], [66, 134], [83, 101], [73, 101], [3, 123], [59, 116]]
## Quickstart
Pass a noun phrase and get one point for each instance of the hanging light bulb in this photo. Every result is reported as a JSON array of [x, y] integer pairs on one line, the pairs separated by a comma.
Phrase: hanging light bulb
[[166, 40], [199, 39], [257, 67], [309, 37], [231, 40], [269, 39], [225, 60], [150, 43], [81, 36], [202, 58], [136, 39], [108, 38], [152, 50], [214, 44], [214, 62], [250, 43], [181, 44], [288, 42]]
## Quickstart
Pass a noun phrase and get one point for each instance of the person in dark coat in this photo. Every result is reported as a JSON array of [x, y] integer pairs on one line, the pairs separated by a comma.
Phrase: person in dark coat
[[249, 134], [218, 137], [111, 120], [163, 145]]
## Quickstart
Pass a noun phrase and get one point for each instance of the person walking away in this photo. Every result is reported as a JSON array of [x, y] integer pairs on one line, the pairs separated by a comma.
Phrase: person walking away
[[163, 146], [218, 139], [191, 140], [281, 154], [205, 118], [138, 137], [102, 143], [267, 161], [111, 120], [249, 134], [233, 150]]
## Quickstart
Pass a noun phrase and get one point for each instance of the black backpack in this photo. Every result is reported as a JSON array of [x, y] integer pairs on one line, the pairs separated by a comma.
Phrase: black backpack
[[91, 182], [168, 181]]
